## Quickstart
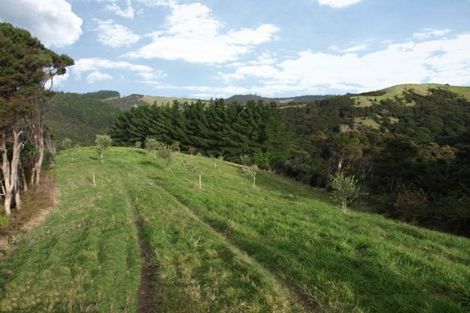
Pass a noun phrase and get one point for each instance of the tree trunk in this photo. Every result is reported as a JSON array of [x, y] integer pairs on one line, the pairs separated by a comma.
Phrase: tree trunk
[[10, 169], [38, 165], [7, 204], [23, 178], [344, 206], [254, 181], [200, 181], [17, 199], [340, 164], [33, 177]]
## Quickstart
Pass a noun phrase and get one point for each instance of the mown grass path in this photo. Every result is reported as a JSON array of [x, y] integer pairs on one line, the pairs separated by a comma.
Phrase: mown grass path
[[146, 239]]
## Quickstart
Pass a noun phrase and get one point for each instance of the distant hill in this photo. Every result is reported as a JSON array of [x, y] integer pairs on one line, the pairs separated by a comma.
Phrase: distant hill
[[369, 98], [79, 116], [299, 99], [135, 100]]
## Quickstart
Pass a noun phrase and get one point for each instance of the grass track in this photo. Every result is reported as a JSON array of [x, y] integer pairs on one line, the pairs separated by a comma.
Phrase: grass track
[[281, 247]]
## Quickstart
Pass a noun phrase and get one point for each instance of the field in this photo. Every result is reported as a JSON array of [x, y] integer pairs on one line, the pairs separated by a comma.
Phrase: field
[[147, 239]]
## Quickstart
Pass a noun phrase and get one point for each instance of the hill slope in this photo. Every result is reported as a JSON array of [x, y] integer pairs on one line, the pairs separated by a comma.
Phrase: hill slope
[[242, 99], [79, 117], [230, 247], [369, 98]]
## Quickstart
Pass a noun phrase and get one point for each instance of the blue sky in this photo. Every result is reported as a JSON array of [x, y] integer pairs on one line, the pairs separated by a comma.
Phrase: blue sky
[[216, 48]]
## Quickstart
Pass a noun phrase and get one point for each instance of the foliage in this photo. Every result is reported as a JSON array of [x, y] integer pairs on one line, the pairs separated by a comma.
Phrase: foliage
[[138, 144], [165, 152], [251, 173], [4, 219], [103, 143], [66, 143], [345, 189], [27, 67], [420, 143], [79, 117], [151, 145], [245, 159], [210, 128]]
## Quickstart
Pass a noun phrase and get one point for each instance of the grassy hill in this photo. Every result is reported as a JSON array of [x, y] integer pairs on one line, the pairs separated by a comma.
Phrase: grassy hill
[[136, 100], [368, 98], [146, 237], [282, 101]]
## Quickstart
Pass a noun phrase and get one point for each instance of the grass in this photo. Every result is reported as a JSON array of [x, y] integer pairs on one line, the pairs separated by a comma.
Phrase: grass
[[279, 247]]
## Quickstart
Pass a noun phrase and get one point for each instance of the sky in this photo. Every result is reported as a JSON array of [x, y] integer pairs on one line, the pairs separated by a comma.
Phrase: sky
[[276, 48]]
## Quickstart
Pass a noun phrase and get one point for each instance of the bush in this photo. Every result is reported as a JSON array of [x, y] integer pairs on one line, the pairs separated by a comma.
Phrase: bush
[[262, 160], [164, 152], [103, 142], [250, 172], [345, 189], [245, 159], [151, 145], [66, 143], [138, 144]]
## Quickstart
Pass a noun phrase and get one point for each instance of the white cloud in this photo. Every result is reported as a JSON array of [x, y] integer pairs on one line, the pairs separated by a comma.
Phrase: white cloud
[[352, 49], [52, 21], [443, 60], [88, 66], [126, 12], [97, 76], [338, 4], [430, 33], [194, 35], [152, 3], [115, 35]]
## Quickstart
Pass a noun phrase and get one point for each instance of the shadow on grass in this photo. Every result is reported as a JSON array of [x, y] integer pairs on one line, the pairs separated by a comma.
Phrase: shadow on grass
[[151, 164]]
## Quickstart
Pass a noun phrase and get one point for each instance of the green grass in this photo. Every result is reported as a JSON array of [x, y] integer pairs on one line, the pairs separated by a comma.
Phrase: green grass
[[279, 247]]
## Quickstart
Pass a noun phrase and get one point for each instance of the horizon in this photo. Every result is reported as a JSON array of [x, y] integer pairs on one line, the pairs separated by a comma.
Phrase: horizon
[[212, 49], [122, 95]]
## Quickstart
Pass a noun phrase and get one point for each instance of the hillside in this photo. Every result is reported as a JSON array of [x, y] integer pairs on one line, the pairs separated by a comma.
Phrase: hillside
[[146, 237], [79, 117], [369, 98], [135, 100], [243, 99]]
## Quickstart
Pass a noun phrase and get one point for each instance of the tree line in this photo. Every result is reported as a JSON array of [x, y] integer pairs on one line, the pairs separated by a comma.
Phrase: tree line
[[26, 68], [213, 129], [416, 169]]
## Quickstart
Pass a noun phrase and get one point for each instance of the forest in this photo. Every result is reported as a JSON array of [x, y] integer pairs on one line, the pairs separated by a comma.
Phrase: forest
[[414, 165]]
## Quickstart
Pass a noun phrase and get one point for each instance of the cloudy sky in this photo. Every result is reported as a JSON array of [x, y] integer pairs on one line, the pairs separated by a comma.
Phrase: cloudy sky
[[216, 48]]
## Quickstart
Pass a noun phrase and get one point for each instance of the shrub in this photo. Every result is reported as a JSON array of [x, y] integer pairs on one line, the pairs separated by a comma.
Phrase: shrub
[[262, 160], [345, 189], [103, 142], [151, 145], [245, 159], [138, 144], [250, 172], [164, 152], [66, 143]]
